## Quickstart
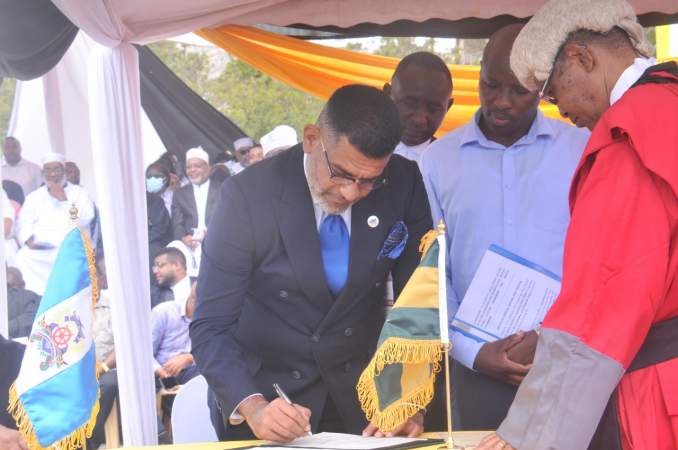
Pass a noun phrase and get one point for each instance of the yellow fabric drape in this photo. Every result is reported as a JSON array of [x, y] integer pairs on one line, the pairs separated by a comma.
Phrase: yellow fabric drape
[[320, 70]]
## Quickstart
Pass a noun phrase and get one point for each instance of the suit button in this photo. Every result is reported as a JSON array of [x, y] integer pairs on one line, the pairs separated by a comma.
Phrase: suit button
[[347, 367], [284, 294], [348, 332], [315, 338], [296, 374], [378, 285]]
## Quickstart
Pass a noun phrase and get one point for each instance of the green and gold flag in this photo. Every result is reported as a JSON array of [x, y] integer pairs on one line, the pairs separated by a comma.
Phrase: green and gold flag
[[399, 379]]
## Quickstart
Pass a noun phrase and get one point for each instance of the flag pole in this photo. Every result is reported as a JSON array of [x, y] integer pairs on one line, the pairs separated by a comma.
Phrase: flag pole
[[444, 332]]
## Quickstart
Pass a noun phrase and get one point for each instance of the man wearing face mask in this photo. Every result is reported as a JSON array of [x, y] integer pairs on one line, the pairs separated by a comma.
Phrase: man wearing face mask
[[291, 285], [45, 220], [502, 179], [193, 205], [421, 88], [158, 183]]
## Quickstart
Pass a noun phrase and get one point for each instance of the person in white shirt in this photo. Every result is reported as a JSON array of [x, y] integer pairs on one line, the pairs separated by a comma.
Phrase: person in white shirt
[[14, 168], [193, 205], [241, 148], [45, 220], [8, 216], [421, 88]]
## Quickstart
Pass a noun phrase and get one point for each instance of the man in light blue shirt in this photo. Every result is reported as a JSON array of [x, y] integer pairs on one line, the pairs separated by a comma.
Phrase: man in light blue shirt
[[501, 179]]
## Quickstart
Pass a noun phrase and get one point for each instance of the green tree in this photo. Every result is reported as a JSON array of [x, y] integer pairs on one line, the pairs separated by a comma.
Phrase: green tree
[[399, 47], [258, 103], [191, 66], [6, 100]]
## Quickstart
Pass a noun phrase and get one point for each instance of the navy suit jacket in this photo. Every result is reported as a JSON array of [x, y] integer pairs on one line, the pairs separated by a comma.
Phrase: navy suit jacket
[[264, 313]]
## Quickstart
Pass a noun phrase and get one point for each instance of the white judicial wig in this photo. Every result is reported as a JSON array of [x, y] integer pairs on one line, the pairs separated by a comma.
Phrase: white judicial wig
[[536, 47]]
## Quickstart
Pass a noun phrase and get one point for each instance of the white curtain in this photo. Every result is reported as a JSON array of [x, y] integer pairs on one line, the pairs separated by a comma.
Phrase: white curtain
[[118, 163]]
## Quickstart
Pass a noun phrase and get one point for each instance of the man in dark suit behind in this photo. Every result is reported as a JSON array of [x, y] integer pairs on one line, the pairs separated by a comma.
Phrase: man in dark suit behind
[[291, 288], [193, 204]]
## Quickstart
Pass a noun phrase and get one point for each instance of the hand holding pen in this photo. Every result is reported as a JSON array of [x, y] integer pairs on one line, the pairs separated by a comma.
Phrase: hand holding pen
[[277, 420], [282, 395]]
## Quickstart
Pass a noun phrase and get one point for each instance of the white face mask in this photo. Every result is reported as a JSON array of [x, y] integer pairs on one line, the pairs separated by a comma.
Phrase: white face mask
[[154, 184]]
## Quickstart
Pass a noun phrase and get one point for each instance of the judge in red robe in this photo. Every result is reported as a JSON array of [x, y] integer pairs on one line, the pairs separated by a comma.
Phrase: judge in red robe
[[605, 373]]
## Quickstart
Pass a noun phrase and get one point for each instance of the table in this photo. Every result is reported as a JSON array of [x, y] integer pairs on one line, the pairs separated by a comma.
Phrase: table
[[468, 439]]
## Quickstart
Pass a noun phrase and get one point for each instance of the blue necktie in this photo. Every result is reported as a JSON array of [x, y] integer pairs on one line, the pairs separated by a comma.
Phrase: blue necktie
[[334, 246]]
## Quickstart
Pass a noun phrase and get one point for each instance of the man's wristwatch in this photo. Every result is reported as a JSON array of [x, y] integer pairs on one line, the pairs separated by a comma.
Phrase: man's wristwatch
[[104, 367]]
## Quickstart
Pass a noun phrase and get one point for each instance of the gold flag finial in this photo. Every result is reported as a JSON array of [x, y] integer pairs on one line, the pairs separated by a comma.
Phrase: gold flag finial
[[73, 212]]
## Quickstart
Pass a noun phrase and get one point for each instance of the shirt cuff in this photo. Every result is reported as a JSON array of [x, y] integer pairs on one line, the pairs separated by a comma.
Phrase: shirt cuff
[[465, 349], [236, 418]]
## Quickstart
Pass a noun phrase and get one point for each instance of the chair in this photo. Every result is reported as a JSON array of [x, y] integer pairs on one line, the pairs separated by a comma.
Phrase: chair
[[190, 414]]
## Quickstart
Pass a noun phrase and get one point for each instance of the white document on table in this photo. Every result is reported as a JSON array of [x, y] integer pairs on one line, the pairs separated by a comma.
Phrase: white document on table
[[343, 441], [507, 294]]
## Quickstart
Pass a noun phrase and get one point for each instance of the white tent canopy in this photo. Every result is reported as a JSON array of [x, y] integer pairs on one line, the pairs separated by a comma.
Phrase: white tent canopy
[[116, 138]]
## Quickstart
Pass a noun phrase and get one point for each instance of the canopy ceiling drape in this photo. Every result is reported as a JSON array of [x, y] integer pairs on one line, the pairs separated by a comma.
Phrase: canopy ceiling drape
[[34, 35]]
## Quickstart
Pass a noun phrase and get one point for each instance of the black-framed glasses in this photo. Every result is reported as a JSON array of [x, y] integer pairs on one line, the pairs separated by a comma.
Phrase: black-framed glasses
[[542, 93], [347, 180]]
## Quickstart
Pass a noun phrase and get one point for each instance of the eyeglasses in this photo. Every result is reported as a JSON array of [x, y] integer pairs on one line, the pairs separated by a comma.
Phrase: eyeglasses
[[542, 93], [347, 180]]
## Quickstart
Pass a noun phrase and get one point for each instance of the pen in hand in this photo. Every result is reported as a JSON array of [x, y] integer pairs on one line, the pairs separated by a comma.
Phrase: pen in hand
[[281, 394]]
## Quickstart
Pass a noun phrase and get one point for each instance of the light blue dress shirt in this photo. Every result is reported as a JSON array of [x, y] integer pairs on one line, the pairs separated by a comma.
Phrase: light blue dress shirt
[[515, 197]]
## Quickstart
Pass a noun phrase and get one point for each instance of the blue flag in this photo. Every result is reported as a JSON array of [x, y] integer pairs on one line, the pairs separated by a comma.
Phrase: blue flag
[[55, 398]]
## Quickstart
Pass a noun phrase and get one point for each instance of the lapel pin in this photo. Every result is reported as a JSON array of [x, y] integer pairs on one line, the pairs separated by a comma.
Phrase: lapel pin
[[373, 221]]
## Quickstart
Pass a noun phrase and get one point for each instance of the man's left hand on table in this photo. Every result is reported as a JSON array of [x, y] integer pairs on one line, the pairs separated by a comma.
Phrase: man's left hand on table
[[412, 428]]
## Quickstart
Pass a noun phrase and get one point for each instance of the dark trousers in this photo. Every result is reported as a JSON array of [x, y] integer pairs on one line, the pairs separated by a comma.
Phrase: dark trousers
[[108, 386], [479, 402], [330, 421]]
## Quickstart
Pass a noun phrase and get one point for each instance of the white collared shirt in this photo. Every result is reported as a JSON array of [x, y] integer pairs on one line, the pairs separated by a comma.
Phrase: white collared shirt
[[413, 153], [181, 291], [630, 76], [320, 213], [200, 192]]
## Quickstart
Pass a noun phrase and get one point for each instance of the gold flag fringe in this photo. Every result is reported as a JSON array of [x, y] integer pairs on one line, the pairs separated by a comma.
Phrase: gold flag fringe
[[398, 351], [426, 241], [77, 439], [74, 441]]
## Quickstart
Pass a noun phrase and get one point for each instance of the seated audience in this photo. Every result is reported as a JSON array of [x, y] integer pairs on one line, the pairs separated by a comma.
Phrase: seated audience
[[14, 168], [255, 155], [14, 191], [275, 141], [22, 304], [193, 206], [241, 149], [169, 271], [45, 220], [159, 182], [11, 354], [72, 173], [105, 352]]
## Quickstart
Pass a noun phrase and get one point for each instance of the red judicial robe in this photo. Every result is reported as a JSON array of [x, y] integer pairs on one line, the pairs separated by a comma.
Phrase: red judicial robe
[[619, 278]]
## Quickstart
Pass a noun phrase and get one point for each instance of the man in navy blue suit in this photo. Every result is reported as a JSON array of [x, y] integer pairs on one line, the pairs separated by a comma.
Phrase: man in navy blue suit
[[294, 265]]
